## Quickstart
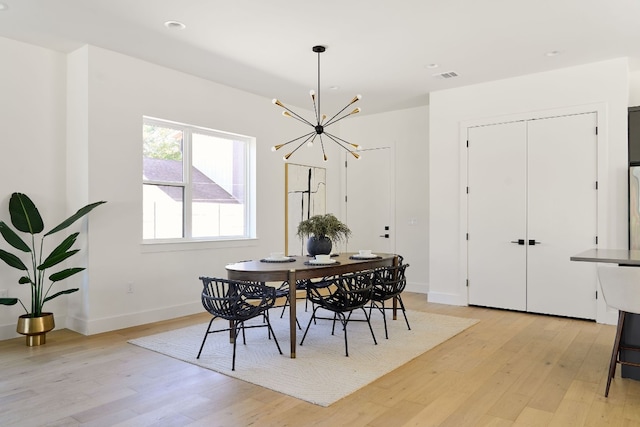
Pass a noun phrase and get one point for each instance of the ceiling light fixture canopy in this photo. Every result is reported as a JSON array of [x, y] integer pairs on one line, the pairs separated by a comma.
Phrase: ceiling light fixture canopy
[[321, 122]]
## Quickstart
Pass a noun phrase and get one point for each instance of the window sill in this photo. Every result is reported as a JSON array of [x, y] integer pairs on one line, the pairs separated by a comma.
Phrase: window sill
[[191, 245]]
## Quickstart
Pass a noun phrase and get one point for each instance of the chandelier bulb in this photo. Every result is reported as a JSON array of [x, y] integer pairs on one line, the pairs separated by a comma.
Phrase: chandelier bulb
[[325, 157], [278, 103], [356, 155], [313, 94], [286, 114], [356, 98], [310, 143], [286, 157]]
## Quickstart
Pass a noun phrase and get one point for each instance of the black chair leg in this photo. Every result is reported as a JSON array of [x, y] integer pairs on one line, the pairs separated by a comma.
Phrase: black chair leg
[[404, 312], [370, 328], [206, 334], [313, 317], [614, 352], [286, 304], [344, 326], [233, 361], [384, 319], [274, 335]]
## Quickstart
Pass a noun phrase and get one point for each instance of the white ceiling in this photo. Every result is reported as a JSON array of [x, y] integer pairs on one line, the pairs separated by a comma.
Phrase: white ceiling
[[379, 48]]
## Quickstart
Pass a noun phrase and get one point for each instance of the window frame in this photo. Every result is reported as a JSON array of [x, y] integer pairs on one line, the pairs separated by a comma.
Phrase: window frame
[[249, 145]]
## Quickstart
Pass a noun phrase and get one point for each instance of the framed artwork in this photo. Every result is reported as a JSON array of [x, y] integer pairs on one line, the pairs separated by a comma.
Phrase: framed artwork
[[305, 196]]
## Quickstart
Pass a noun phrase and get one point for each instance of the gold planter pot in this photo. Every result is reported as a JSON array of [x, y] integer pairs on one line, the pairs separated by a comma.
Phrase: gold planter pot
[[35, 328]]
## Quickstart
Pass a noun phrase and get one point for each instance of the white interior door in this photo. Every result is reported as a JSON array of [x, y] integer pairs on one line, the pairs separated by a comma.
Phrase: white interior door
[[497, 215], [562, 163], [369, 204]]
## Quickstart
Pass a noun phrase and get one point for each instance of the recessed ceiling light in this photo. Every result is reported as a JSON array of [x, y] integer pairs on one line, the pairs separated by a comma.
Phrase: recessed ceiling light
[[432, 66], [335, 88], [552, 53], [175, 25], [3, 7]]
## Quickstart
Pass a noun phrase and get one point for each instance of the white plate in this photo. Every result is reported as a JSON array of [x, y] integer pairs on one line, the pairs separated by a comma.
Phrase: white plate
[[365, 256], [319, 262]]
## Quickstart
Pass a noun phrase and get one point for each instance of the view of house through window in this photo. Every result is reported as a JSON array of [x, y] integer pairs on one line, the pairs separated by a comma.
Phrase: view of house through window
[[194, 182]]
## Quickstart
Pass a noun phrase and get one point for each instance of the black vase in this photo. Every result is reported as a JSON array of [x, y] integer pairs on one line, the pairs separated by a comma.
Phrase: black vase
[[319, 245]]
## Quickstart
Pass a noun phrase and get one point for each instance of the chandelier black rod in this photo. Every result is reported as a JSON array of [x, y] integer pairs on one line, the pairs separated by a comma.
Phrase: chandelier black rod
[[331, 121], [295, 139], [312, 136], [335, 139]]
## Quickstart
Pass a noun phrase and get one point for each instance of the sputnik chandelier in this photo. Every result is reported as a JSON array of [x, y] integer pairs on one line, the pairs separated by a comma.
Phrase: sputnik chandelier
[[321, 125]]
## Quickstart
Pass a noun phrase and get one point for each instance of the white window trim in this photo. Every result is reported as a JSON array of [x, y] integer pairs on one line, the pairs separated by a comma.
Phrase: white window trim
[[188, 242]]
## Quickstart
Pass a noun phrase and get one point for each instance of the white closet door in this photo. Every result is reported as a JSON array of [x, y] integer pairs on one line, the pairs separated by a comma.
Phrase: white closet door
[[562, 163], [497, 215]]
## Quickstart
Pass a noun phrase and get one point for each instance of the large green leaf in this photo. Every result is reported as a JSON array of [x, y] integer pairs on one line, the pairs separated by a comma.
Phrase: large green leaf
[[24, 214], [64, 246], [53, 260], [8, 301], [12, 238], [76, 216], [25, 279], [61, 275], [67, 291], [12, 260]]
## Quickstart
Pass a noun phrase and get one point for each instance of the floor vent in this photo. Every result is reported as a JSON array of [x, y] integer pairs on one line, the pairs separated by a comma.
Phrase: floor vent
[[447, 75]]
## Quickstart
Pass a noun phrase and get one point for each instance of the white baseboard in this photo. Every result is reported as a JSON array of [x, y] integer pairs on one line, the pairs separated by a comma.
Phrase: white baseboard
[[97, 326], [420, 288], [445, 298], [8, 331]]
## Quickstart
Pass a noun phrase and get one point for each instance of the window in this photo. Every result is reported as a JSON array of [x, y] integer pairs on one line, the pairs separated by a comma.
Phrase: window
[[195, 183]]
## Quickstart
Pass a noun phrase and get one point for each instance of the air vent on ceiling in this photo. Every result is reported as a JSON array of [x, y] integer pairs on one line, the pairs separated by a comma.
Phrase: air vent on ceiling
[[447, 75]]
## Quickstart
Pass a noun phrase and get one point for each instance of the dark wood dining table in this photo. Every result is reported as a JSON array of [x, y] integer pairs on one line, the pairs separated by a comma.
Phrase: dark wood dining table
[[300, 268]]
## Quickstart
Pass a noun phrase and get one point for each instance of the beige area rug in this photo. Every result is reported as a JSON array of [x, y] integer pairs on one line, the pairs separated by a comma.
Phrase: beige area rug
[[320, 373]]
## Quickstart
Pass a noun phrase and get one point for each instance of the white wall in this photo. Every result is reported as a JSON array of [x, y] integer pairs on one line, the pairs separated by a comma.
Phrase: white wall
[[32, 134], [605, 84], [98, 157], [121, 90], [407, 132], [634, 89]]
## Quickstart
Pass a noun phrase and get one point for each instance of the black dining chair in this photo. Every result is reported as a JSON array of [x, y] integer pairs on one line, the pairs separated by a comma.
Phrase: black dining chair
[[388, 283], [237, 302], [341, 295]]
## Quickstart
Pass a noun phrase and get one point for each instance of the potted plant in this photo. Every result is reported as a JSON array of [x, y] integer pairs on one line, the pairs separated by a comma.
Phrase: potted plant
[[26, 218], [322, 230]]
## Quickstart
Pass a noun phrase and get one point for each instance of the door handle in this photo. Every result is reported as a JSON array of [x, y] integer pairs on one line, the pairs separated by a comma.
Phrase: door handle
[[533, 243], [386, 236], [519, 241]]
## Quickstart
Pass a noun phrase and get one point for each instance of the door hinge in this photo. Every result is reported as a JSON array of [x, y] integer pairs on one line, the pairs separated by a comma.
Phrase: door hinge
[[467, 190], [467, 143], [345, 199], [596, 294], [596, 130], [467, 283], [596, 185], [345, 163], [596, 240], [467, 236]]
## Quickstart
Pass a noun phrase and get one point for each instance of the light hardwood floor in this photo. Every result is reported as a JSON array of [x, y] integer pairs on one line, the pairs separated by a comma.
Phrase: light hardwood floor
[[509, 369]]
